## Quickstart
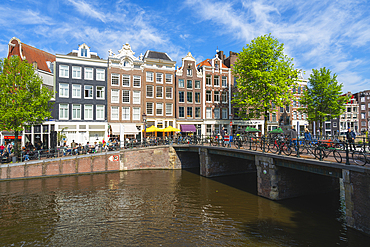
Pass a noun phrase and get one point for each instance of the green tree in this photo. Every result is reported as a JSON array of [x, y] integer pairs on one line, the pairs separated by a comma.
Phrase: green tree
[[23, 99], [265, 77], [323, 98]]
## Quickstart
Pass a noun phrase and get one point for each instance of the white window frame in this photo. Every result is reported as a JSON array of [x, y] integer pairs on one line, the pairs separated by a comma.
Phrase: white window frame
[[169, 78], [152, 108], [63, 71], [136, 79], [195, 84], [217, 113], [88, 72], [208, 80], [125, 113], [125, 91], [218, 80], [136, 113], [76, 72], [208, 113], [92, 92], [63, 90], [156, 92], [209, 101], [76, 91], [102, 92], [183, 83], [224, 81], [136, 96], [183, 101], [114, 96], [169, 109], [159, 78], [187, 97], [189, 72], [195, 112], [214, 97], [100, 112], [152, 90], [100, 74], [169, 91], [88, 110], [114, 113], [149, 76], [195, 97], [224, 113], [76, 112], [159, 106], [63, 111], [125, 79], [115, 76], [183, 116]]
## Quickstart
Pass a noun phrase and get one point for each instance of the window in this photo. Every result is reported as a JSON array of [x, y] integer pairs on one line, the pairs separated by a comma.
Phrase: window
[[362, 99], [136, 113], [197, 97], [208, 80], [88, 92], [216, 81], [189, 84], [294, 103], [137, 81], [136, 97], [159, 92], [100, 113], [224, 97], [125, 113], [189, 112], [363, 123], [287, 108], [76, 72], [217, 113], [363, 115], [224, 113], [197, 84], [197, 112], [169, 78], [115, 79], [281, 109], [89, 73], [63, 90], [189, 72], [294, 115], [64, 71], [159, 77], [149, 76], [273, 117], [115, 96], [224, 81], [126, 80], [299, 89], [209, 113], [189, 97], [100, 74], [181, 97], [181, 112], [209, 96], [181, 83], [159, 109], [216, 96], [363, 107], [88, 115], [63, 111], [168, 92], [76, 91], [149, 108], [149, 91], [83, 52], [100, 92], [114, 113], [76, 111], [125, 96], [168, 109]]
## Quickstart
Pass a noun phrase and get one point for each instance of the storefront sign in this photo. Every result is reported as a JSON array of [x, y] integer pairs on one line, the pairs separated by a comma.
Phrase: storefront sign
[[12, 137]]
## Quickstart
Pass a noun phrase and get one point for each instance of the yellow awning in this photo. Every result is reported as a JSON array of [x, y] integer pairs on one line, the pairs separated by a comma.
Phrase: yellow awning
[[171, 129]]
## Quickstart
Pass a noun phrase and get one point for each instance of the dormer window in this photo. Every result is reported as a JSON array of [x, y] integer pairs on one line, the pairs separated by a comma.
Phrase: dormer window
[[83, 52], [216, 65], [189, 72]]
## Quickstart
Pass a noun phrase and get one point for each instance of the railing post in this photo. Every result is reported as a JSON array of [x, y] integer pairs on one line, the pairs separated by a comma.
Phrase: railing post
[[263, 143], [250, 142], [347, 154], [297, 147]]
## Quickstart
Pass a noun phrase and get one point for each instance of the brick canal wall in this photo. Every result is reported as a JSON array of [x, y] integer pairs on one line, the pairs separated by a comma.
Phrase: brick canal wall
[[129, 159]]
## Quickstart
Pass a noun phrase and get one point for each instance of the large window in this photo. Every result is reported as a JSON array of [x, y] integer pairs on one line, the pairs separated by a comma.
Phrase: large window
[[137, 81], [224, 97], [88, 92], [89, 73], [159, 109], [136, 113], [224, 81], [197, 112], [149, 108], [197, 97], [224, 113], [149, 91], [168, 92], [216, 96], [100, 114], [88, 114], [125, 113], [136, 97], [197, 84], [76, 112], [76, 72], [63, 90], [64, 71], [159, 92], [208, 80], [216, 81], [181, 97], [159, 78], [208, 113], [100, 92], [114, 113], [189, 112], [168, 109], [149, 76], [181, 83], [100, 74], [189, 97], [189, 84], [169, 78], [181, 112], [76, 91], [217, 113], [115, 79], [63, 111], [115, 96], [125, 96], [126, 80], [209, 96]]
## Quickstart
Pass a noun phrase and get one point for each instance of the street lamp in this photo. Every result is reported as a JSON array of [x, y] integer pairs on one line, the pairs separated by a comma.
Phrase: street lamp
[[144, 119]]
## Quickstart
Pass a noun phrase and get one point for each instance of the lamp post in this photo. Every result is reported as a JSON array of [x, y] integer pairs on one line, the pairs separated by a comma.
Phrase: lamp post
[[144, 119]]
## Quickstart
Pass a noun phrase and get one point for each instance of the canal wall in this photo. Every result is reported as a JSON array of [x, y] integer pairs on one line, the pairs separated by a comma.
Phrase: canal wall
[[129, 159]]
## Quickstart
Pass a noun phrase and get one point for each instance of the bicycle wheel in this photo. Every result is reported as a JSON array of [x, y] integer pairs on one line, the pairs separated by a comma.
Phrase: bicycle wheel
[[286, 149], [273, 147], [254, 145], [359, 158], [337, 156], [214, 142], [318, 152]]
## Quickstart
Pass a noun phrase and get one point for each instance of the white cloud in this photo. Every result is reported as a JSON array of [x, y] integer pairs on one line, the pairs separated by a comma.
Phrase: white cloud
[[88, 10]]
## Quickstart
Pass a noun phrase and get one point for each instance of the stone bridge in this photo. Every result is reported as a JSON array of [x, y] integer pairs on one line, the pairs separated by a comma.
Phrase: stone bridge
[[281, 177]]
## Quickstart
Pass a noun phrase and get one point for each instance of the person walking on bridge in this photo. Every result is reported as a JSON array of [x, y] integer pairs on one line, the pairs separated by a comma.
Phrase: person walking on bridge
[[351, 139]]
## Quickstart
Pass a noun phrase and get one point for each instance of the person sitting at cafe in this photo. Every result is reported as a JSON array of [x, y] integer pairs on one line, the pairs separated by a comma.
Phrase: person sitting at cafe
[[25, 155], [2, 147]]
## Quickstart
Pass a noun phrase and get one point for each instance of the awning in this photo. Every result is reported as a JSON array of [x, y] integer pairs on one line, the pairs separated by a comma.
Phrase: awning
[[115, 129], [129, 129], [188, 128]]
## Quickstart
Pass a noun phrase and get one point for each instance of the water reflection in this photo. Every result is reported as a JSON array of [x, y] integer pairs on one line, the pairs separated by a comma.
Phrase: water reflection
[[144, 208]]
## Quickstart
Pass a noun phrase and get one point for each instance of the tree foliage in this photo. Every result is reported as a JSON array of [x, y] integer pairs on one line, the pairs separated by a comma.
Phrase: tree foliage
[[265, 77], [23, 100], [323, 98]]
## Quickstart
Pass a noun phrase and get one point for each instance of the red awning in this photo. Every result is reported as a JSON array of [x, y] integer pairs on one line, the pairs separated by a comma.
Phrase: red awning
[[12, 137], [188, 128]]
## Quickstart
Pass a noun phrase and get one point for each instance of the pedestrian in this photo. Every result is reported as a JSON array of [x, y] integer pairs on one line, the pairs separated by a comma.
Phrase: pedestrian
[[293, 136], [9, 147], [2, 147], [351, 139], [307, 135], [73, 144], [223, 132]]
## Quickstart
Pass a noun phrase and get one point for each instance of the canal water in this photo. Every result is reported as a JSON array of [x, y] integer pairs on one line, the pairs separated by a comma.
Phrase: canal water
[[165, 208]]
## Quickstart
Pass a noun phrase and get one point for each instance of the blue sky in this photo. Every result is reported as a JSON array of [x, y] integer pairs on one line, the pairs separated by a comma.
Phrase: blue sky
[[332, 34]]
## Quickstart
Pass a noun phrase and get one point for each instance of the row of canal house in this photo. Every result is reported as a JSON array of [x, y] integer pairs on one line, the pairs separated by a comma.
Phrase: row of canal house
[[96, 99]]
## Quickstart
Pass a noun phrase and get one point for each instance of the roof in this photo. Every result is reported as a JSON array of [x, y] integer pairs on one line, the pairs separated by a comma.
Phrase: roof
[[75, 54], [157, 55], [208, 62], [31, 54]]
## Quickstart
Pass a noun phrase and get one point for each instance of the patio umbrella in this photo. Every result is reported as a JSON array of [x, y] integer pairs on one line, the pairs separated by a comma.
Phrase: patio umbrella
[[276, 131], [251, 130], [171, 129], [151, 129]]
